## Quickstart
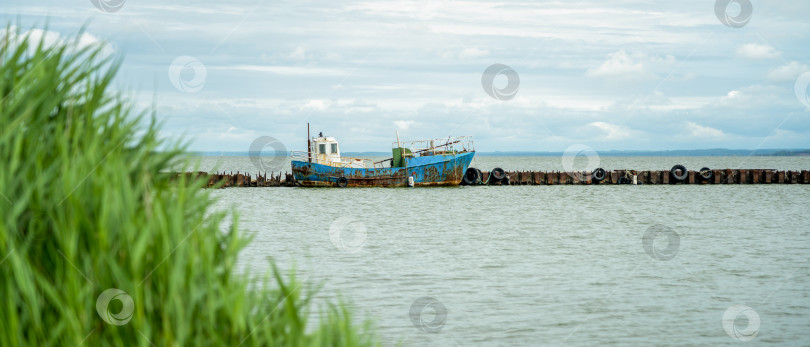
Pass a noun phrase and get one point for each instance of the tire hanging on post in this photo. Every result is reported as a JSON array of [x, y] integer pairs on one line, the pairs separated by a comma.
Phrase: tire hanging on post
[[497, 174], [598, 174], [706, 173], [471, 176], [679, 168]]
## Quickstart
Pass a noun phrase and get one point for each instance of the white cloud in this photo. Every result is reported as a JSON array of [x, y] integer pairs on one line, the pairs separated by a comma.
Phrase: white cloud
[[284, 70], [316, 105], [753, 97], [50, 39], [470, 53], [635, 66], [403, 124], [788, 72], [612, 131], [703, 132], [299, 53], [618, 64], [754, 51], [372, 65], [683, 103], [466, 53]]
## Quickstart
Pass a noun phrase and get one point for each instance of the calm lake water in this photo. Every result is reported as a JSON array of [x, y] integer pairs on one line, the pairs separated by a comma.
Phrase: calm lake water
[[548, 265]]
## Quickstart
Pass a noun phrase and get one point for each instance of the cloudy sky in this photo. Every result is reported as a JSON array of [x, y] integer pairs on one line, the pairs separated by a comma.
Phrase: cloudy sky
[[644, 75]]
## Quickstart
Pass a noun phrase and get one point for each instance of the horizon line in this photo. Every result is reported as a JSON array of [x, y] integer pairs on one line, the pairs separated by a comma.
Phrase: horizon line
[[667, 152]]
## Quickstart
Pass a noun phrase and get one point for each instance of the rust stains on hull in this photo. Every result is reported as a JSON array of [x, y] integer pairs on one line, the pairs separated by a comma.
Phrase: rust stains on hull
[[444, 170]]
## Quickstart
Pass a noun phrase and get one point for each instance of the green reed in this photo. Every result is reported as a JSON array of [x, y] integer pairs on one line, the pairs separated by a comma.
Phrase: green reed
[[86, 205]]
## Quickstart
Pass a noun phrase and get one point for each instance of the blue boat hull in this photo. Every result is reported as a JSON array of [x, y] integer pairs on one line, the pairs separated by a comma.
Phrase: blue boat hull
[[437, 170]]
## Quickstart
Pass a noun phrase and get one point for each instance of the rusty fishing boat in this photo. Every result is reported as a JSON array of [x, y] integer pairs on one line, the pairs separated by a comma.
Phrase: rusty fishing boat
[[437, 162]]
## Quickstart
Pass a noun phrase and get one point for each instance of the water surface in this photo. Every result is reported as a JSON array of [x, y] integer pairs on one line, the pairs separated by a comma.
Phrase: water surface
[[547, 265]]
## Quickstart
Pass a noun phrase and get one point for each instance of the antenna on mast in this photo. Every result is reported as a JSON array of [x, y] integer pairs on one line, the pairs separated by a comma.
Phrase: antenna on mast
[[398, 145]]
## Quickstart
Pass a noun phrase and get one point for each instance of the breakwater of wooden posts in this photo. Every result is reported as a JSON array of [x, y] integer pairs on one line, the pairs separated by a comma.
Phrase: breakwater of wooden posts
[[722, 176], [225, 180], [497, 176]]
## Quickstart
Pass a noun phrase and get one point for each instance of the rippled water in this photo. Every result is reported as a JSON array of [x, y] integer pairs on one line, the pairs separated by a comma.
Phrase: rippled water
[[548, 265]]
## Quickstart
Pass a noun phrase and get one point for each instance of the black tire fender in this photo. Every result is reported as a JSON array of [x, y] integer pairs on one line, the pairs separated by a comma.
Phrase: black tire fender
[[342, 182], [598, 174], [471, 176], [498, 174], [683, 173], [706, 173]]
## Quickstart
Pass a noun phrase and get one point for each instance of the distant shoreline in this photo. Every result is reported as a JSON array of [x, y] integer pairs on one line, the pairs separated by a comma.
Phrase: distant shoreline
[[612, 153]]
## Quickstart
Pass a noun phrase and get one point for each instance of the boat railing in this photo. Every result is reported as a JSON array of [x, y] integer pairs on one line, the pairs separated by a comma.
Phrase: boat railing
[[343, 161], [458, 144]]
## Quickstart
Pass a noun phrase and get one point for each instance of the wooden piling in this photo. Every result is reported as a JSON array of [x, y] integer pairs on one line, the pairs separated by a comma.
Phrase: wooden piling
[[551, 178], [525, 178], [538, 177], [513, 178], [574, 178], [654, 177]]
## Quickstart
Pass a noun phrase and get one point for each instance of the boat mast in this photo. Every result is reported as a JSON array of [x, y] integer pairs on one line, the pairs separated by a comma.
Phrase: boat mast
[[309, 146]]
